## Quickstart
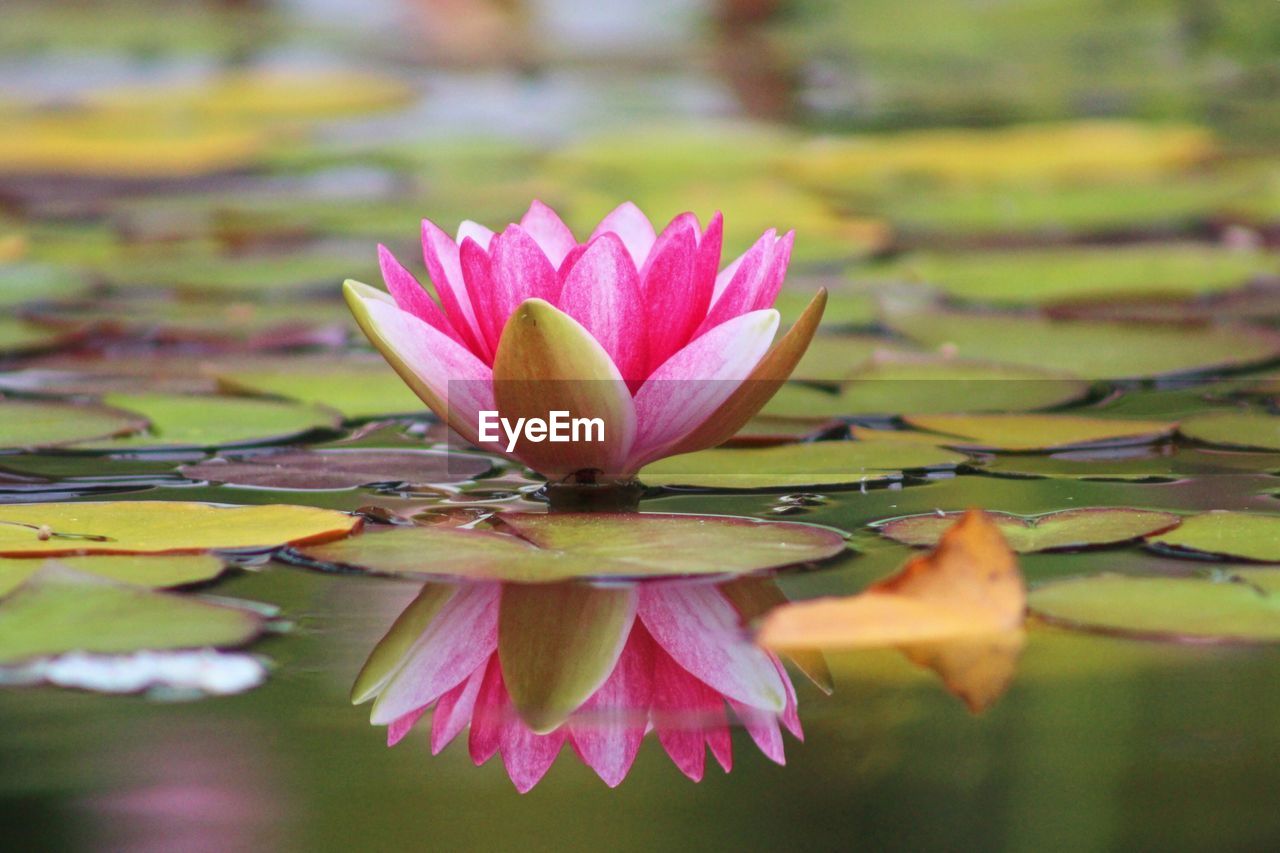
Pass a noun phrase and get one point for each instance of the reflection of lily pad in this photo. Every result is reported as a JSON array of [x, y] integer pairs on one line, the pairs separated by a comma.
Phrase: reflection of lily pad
[[149, 571], [192, 420], [340, 469], [560, 546], [1092, 350], [44, 423], [1162, 607], [60, 610], [922, 387], [820, 463], [1073, 528], [1037, 432], [1238, 535], [161, 527], [1252, 430], [359, 388]]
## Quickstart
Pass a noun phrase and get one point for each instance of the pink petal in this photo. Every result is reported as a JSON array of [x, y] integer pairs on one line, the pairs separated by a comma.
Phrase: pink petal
[[629, 223], [791, 714], [514, 269], [709, 247], [691, 385], [549, 231], [454, 710], [672, 303], [686, 713], [767, 294], [453, 646], [476, 231], [748, 279], [402, 726], [602, 292], [607, 730], [698, 627], [763, 728], [491, 709], [410, 296], [495, 727], [443, 265]]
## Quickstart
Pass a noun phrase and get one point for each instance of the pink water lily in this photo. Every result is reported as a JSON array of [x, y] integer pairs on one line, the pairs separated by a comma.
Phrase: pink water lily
[[639, 329], [678, 664]]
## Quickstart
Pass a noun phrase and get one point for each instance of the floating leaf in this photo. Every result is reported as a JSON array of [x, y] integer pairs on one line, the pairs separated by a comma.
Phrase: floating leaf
[[1092, 350], [199, 271], [149, 571], [1037, 432], [1074, 528], [819, 463], [200, 421], [1195, 609], [357, 388], [341, 469], [832, 358], [161, 527], [23, 282], [548, 548], [1237, 535], [1234, 429], [61, 610], [18, 337], [31, 424], [927, 387]]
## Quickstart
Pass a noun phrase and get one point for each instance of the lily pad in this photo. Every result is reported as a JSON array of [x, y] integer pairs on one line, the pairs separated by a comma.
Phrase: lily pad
[[1091, 350], [60, 610], [928, 387], [162, 527], [1070, 529], [143, 571], [819, 463], [31, 424], [1038, 432], [547, 548], [1252, 430], [199, 271], [1236, 535], [359, 388], [24, 282], [1194, 609], [341, 469], [200, 421], [18, 337]]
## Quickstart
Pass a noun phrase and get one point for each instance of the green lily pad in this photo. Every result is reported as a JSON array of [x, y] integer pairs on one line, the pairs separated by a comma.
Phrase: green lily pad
[[18, 337], [359, 388], [143, 571], [31, 424], [547, 548], [22, 282], [1037, 432], [341, 469], [832, 358], [1194, 609], [202, 421], [1091, 350], [819, 463], [203, 272], [1252, 430], [844, 308], [60, 610], [1237, 535], [161, 527], [1138, 465], [1086, 527], [928, 387]]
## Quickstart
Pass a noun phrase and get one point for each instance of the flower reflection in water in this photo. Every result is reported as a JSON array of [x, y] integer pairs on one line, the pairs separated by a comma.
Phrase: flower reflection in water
[[605, 666]]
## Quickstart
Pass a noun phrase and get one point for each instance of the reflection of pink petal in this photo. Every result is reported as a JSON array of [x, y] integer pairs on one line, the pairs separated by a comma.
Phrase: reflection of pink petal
[[495, 727], [454, 644], [763, 728], [454, 710], [401, 726], [486, 719], [687, 714], [791, 715], [607, 730]]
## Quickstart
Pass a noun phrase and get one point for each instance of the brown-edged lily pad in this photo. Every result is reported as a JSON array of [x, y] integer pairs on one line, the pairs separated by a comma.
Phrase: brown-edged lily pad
[[1021, 433], [340, 469], [1252, 430], [1086, 527], [1234, 535], [546, 548]]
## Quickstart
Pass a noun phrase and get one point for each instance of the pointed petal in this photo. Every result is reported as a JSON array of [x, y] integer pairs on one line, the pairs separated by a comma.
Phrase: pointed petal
[[489, 715], [453, 711], [440, 253], [409, 294], [602, 292], [607, 730], [527, 755], [760, 386], [754, 596], [684, 710], [549, 231], [749, 278], [699, 629], [673, 305], [693, 384], [475, 231], [389, 655], [628, 222], [558, 643], [446, 376], [477, 274], [710, 245], [547, 362], [763, 728], [790, 714], [454, 645], [402, 726]]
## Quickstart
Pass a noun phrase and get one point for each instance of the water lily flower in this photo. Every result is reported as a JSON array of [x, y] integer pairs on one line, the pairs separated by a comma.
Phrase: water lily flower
[[639, 329], [606, 666]]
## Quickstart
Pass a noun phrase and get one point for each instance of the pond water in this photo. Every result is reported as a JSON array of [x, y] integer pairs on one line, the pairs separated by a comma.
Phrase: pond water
[[1048, 232]]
